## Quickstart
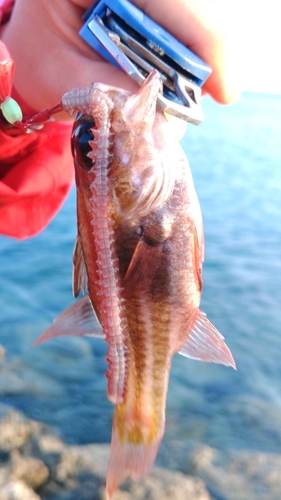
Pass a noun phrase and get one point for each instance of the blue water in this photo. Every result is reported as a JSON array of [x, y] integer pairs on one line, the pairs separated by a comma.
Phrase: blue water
[[235, 157]]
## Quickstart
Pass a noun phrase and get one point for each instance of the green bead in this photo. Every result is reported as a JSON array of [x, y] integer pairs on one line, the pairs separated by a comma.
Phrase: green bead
[[11, 110]]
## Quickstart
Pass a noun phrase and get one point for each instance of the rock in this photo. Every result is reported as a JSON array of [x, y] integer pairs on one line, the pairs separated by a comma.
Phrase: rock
[[31, 470], [165, 485], [49, 448], [50, 444], [16, 430], [238, 475], [33, 457], [20, 473], [2, 353], [17, 490], [82, 471], [78, 459], [36, 458]]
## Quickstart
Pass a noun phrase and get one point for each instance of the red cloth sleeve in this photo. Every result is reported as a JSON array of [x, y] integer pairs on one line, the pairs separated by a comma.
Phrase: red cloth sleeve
[[36, 170]]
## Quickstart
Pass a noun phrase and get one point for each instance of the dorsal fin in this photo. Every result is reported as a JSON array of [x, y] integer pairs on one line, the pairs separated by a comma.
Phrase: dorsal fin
[[78, 319], [205, 343]]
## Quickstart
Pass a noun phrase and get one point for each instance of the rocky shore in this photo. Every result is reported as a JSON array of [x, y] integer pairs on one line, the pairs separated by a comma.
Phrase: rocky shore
[[36, 464]]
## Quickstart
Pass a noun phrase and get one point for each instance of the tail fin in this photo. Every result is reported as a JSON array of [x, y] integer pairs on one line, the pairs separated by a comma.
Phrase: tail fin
[[129, 459]]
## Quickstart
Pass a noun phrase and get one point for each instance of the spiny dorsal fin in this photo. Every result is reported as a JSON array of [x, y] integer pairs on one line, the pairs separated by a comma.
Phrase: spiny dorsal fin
[[140, 108], [78, 319], [205, 343]]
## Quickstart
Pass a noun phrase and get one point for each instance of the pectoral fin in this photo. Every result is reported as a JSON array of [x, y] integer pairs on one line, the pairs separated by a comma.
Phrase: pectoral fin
[[79, 273], [205, 343], [198, 256], [143, 265], [79, 319]]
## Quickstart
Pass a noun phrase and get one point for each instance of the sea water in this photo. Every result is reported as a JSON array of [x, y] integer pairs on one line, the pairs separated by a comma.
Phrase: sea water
[[235, 156]]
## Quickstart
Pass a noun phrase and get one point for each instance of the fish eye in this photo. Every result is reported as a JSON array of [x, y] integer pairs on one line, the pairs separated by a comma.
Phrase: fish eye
[[81, 135]]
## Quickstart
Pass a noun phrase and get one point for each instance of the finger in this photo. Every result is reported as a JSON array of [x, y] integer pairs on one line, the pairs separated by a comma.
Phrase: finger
[[52, 58], [206, 27]]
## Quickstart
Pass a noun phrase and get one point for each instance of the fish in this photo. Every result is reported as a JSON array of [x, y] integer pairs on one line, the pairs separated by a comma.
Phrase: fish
[[137, 261]]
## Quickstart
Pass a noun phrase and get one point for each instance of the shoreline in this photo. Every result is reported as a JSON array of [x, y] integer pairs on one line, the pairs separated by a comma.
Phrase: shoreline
[[36, 464]]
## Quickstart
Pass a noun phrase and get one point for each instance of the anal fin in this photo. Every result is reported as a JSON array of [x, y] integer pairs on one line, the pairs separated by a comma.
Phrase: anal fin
[[205, 343], [78, 319]]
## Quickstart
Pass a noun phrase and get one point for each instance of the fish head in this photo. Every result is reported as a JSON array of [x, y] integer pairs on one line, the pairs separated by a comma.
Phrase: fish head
[[132, 144]]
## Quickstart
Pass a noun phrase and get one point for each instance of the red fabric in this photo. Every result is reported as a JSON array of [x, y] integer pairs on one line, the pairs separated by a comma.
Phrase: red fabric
[[36, 171], [6, 7]]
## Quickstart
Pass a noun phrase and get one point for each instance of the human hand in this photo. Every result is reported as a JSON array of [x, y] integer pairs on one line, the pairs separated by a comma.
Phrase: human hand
[[51, 58], [207, 28]]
